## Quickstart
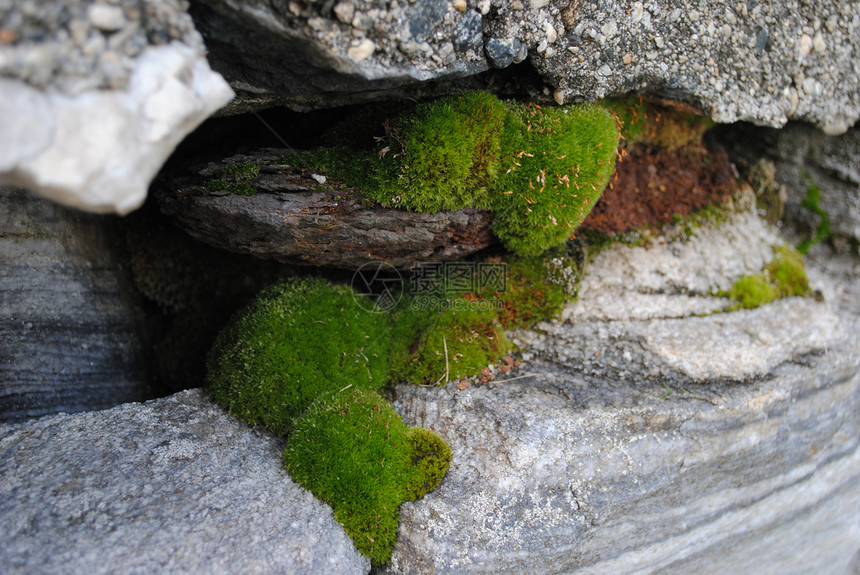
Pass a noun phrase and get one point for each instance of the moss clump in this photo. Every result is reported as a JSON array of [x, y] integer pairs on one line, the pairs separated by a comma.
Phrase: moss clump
[[538, 170], [647, 123], [445, 154], [557, 162], [752, 291], [785, 276], [304, 358], [453, 343], [297, 340], [787, 273], [235, 179], [352, 450]]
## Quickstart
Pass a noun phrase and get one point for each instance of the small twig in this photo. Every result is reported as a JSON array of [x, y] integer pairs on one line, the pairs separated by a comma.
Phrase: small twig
[[513, 378], [447, 371], [277, 135], [345, 388]]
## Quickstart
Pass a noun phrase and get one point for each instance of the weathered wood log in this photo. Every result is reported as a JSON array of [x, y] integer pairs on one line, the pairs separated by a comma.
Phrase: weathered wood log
[[295, 218]]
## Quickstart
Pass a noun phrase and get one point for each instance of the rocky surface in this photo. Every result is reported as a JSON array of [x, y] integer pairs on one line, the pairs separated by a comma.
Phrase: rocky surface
[[173, 485], [765, 62], [70, 336], [648, 430], [81, 80], [653, 440], [801, 156], [299, 217]]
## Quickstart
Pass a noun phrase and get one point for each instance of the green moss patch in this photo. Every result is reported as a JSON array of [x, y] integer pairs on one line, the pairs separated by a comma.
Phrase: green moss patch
[[539, 170], [305, 360], [538, 288], [785, 276], [811, 203], [235, 179], [556, 165], [296, 341], [352, 450], [455, 343]]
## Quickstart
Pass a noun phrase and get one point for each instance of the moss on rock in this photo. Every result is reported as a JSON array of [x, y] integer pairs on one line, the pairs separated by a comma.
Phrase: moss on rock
[[454, 343], [785, 276], [539, 170], [296, 341], [352, 450], [556, 164]]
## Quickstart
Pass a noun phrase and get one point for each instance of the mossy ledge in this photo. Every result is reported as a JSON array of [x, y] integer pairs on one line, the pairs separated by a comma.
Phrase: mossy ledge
[[538, 170]]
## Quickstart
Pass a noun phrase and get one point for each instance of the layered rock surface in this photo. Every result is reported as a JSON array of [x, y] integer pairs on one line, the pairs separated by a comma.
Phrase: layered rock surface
[[639, 437], [296, 218], [70, 337], [174, 485], [648, 439]]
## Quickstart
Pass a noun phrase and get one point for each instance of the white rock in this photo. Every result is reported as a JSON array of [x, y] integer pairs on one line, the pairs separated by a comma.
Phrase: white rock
[[805, 46], [551, 34], [818, 43], [99, 150], [344, 12], [106, 17], [362, 51]]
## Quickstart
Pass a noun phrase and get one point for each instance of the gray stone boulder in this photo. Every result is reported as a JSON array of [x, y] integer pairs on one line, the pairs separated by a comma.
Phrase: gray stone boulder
[[766, 62], [95, 96], [174, 485], [641, 437]]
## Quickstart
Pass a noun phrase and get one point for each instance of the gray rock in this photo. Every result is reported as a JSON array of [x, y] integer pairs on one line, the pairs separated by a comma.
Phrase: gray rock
[[502, 52], [468, 32], [299, 217], [82, 80], [169, 486], [831, 162], [766, 62], [672, 444], [426, 19], [70, 328]]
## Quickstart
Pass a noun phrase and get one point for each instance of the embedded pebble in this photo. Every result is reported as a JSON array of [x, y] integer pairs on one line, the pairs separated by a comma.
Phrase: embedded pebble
[[106, 17], [362, 51], [344, 12]]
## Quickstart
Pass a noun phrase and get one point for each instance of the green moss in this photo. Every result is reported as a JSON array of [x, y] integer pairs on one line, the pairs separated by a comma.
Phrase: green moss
[[643, 122], [752, 291], [241, 170], [787, 273], [539, 171], [235, 188], [538, 288], [296, 341], [235, 178], [352, 450], [631, 114], [453, 343], [439, 156], [556, 164], [785, 276], [811, 203], [446, 154]]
